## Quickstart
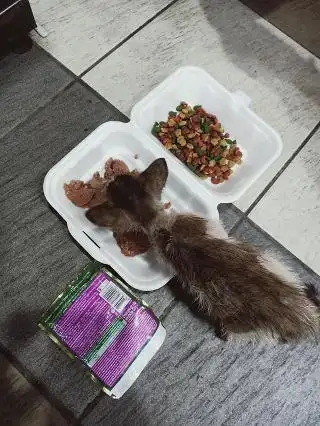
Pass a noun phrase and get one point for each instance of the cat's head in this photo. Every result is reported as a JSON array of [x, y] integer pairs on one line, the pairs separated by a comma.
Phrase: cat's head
[[138, 196]]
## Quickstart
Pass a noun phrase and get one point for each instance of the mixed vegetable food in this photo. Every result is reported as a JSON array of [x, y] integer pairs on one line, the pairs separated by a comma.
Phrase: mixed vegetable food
[[199, 141]]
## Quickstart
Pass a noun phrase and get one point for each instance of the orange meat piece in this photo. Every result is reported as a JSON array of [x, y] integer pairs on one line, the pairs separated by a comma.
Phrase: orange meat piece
[[92, 193], [132, 243]]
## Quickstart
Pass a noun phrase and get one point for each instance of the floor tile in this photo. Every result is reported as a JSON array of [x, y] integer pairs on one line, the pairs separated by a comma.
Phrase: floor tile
[[297, 18], [229, 215], [39, 258], [82, 32], [26, 82], [253, 234], [290, 211], [196, 379], [281, 77], [21, 404]]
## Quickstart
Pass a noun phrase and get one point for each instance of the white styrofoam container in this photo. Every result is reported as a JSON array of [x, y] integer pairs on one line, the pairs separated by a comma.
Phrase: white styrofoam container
[[260, 145]]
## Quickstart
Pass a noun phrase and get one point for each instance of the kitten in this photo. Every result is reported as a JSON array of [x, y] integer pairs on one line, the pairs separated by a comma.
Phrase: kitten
[[240, 289]]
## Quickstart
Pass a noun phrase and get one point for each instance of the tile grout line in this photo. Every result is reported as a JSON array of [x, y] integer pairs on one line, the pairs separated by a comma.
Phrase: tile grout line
[[59, 93], [63, 410], [73, 76], [90, 407], [282, 169], [113, 49], [128, 37], [39, 109], [237, 224], [78, 79], [102, 99], [55, 60], [171, 305], [245, 215], [239, 221]]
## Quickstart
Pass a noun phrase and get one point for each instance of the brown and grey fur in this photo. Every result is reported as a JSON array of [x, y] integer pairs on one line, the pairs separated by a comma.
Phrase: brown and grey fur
[[239, 288]]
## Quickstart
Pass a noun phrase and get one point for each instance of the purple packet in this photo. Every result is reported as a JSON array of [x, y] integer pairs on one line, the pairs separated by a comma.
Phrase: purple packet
[[99, 321]]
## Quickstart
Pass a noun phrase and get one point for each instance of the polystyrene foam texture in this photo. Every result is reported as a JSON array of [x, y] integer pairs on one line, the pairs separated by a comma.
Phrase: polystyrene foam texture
[[121, 141], [259, 143]]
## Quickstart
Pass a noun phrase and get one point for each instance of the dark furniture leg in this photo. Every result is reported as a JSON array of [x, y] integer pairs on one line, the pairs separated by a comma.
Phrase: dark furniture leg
[[16, 21]]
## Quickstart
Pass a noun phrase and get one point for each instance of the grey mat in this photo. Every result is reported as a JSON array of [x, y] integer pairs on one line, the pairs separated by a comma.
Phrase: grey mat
[[198, 380], [26, 82], [37, 255]]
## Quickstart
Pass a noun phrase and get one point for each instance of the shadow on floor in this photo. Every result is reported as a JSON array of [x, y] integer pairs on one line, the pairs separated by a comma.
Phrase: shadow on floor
[[263, 7], [21, 403], [299, 19], [22, 326], [239, 44]]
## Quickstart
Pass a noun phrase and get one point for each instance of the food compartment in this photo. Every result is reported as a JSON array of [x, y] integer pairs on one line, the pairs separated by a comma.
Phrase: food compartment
[[124, 142], [259, 143]]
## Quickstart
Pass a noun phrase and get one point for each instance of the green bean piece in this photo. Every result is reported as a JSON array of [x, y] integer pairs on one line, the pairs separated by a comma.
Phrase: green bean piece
[[205, 128]]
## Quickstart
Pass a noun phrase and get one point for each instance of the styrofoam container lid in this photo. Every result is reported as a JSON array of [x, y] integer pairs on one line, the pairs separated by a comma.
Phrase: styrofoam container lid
[[259, 143]]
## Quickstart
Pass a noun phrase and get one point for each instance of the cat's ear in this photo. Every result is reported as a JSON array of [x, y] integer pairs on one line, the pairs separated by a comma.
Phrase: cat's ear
[[103, 215], [155, 177]]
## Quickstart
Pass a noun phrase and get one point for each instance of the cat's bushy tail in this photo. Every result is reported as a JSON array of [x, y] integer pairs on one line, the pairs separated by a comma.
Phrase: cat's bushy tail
[[312, 294]]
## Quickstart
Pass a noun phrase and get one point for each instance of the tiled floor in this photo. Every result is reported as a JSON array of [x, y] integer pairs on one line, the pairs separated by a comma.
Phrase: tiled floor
[[21, 97], [80, 33], [295, 198], [121, 51]]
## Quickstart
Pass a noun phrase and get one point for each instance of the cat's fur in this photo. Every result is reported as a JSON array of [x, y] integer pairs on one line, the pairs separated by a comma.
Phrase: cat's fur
[[239, 288]]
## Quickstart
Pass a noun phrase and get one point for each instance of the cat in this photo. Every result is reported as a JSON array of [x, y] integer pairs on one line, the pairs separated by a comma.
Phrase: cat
[[240, 289]]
